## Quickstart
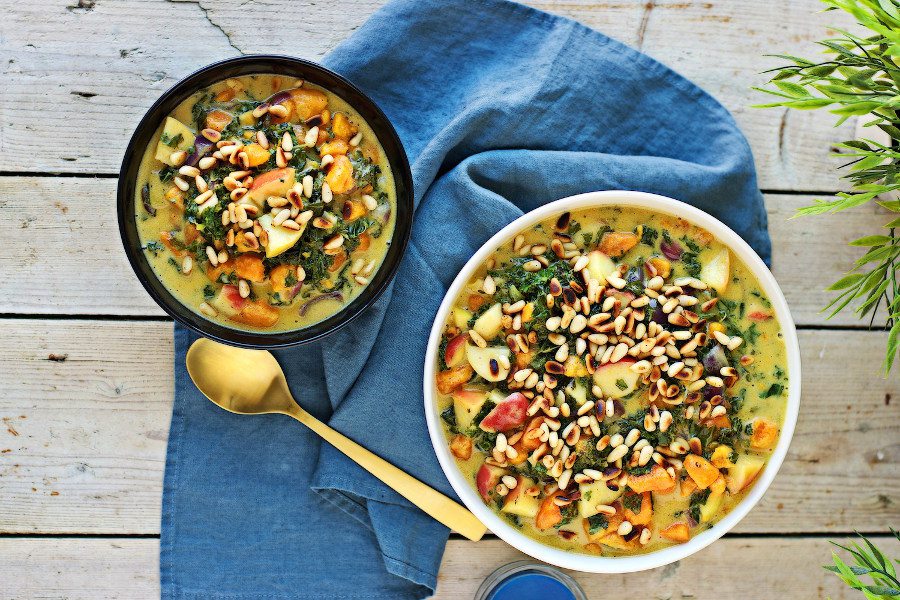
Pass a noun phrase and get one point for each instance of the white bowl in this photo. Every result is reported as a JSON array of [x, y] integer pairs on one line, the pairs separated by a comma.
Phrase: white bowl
[[626, 564]]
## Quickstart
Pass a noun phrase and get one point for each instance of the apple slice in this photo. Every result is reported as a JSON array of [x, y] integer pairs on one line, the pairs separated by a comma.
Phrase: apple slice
[[509, 414], [455, 352], [599, 265], [487, 477], [744, 472], [517, 502], [596, 493], [177, 136], [281, 239], [276, 182], [487, 361], [489, 324], [461, 317], [616, 380], [228, 301], [717, 271], [713, 503], [467, 403], [577, 391]]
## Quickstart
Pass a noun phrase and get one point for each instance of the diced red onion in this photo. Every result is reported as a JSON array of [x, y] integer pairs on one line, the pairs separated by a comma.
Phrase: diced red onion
[[304, 308], [672, 249], [202, 147]]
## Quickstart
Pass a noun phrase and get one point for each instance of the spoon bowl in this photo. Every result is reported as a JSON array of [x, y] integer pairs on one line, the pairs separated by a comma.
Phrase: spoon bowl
[[251, 382]]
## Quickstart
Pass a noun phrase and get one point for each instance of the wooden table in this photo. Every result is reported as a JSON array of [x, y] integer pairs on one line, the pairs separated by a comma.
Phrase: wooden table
[[86, 359]]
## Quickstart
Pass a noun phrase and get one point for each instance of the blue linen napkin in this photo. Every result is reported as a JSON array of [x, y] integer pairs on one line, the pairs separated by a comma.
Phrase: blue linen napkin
[[501, 108]]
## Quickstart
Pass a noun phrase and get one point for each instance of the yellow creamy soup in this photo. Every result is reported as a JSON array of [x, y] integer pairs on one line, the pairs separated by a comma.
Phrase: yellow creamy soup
[[612, 381], [265, 203]]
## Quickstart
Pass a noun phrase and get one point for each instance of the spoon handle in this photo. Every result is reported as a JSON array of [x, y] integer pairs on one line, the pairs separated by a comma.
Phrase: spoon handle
[[431, 501]]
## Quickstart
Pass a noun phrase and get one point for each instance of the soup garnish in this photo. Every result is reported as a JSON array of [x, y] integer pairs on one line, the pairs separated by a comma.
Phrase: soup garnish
[[612, 381], [265, 203]]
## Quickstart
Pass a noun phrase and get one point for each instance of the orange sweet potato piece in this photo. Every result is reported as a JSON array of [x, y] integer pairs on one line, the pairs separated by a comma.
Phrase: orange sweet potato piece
[[352, 210], [218, 119], [449, 380], [258, 314], [225, 95], [658, 479], [475, 301], [461, 447], [279, 276], [365, 240], [308, 102], [191, 233], [342, 128], [334, 148], [701, 470], [256, 155], [339, 259], [677, 532], [645, 515], [765, 434], [250, 267], [169, 242], [548, 514], [340, 176], [617, 243]]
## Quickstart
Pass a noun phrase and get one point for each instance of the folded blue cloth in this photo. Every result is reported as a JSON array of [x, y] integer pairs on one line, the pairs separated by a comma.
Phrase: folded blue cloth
[[501, 108]]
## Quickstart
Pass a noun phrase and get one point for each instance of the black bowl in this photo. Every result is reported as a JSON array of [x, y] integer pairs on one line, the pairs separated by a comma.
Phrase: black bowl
[[290, 67]]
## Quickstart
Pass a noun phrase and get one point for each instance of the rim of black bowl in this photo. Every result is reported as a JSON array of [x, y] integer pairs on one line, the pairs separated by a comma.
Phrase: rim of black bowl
[[259, 64]]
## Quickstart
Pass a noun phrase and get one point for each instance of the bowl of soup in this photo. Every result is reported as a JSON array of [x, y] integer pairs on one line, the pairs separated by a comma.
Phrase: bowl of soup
[[612, 381], [265, 201]]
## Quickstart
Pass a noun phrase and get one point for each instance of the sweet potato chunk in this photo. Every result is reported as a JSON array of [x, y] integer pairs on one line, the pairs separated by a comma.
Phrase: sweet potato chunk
[[658, 479], [258, 314], [171, 243], [765, 434], [677, 532], [548, 514], [365, 240], [308, 102], [461, 447], [449, 380], [334, 148], [617, 243], [256, 155], [645, 514], [250, 267], [701, 470], [340, 176], [342, 128], [218, 119]]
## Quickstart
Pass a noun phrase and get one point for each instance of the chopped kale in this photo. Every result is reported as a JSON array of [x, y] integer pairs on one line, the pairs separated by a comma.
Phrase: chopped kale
[[154, 247], [649, 236], [633, 502], [209, 292], [597, 523], [775, 389], [449, 417]]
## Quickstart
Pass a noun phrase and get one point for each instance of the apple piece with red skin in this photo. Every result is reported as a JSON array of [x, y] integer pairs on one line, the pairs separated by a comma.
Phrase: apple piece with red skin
[[745, 470], [276, 182], [467, 403], [486, 479], [512, 412], [455, 352], [228, 301], [611, 378]]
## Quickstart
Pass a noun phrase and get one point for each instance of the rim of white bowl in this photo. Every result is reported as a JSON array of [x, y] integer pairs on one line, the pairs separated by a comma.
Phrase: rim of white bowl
[[640, 562]]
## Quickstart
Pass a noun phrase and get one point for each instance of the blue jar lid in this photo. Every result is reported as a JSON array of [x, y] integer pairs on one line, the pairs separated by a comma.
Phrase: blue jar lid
[[531, 585]]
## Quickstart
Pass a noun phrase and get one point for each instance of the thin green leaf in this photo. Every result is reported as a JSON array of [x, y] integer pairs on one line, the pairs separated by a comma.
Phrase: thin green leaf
[[872, 240]]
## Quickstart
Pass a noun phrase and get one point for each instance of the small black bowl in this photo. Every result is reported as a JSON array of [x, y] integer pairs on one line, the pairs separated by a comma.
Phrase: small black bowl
[[289, 67]]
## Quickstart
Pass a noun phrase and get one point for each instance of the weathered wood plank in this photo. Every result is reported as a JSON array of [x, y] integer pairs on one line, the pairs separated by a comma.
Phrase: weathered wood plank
[[82, 442], [99, 569], [57, 272], [70, 106]]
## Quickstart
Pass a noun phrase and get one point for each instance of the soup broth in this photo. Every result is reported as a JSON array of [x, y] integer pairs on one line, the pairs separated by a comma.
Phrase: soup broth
[[265, 203], [612, 381]]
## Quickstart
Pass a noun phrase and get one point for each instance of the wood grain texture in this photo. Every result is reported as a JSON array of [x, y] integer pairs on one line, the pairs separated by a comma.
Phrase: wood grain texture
[[78, 77], [57, 276], [82, 442], [101, 569]]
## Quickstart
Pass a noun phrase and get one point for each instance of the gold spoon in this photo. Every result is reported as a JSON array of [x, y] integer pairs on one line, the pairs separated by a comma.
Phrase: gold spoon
[[262, 389]]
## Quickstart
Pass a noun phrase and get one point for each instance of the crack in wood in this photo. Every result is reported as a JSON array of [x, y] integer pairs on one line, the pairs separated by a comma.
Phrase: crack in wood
[[209, 19], [645, 19]]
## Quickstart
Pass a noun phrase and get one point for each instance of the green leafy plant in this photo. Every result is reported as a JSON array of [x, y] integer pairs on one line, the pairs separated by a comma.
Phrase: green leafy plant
[[859, 77], [873, 573]]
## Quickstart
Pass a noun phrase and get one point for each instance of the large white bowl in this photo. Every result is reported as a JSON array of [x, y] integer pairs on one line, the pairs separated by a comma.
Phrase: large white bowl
[[585, 562]]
